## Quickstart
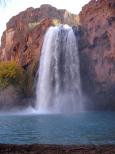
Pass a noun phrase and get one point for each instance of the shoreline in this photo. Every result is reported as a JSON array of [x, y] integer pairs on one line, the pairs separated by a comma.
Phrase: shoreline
[[56, 149]]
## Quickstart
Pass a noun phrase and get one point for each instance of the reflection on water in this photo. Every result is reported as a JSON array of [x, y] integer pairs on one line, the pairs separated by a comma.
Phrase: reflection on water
[[81, 128]]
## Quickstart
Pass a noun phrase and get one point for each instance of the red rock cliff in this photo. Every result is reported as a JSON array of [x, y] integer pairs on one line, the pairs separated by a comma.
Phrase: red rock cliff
[[24, 35], [98, 50], [22, 42]]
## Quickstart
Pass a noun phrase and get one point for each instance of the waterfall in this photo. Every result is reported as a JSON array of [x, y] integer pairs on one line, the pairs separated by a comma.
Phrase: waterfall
[[59, 86]]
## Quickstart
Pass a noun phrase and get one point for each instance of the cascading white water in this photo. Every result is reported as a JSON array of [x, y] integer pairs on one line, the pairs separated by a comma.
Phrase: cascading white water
[[59, 86]]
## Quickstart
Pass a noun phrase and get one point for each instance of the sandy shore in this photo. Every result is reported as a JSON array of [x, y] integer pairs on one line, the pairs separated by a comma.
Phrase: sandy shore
[[56, 149]]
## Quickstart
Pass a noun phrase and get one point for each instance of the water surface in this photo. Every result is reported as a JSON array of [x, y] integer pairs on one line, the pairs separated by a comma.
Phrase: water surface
[[81, 128]]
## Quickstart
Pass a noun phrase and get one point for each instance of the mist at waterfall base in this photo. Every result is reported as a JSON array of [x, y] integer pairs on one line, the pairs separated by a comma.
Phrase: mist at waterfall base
[[59, 86]]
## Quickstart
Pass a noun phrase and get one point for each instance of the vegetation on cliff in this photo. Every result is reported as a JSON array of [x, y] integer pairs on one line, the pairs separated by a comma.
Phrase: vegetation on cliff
[[16, 84], [32, 25], [10, 74], [56, 22]]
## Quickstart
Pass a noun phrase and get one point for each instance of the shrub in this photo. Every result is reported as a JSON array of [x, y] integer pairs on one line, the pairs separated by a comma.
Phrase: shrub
[[32, 25], [10, 74], [56, 22]]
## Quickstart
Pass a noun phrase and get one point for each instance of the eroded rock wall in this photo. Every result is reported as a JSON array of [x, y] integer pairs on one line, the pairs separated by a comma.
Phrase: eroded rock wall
[[97, 52], [24, 35]]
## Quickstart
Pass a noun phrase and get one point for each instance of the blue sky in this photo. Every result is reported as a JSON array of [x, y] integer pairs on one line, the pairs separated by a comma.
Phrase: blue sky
[[15, 6]]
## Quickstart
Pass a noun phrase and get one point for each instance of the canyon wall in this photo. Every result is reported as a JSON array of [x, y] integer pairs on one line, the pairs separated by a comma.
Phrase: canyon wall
[[24, 34], [97, 52], [22, 41], [23, 38]]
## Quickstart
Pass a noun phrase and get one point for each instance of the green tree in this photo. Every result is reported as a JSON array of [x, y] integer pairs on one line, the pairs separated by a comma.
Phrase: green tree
[[10, 74]]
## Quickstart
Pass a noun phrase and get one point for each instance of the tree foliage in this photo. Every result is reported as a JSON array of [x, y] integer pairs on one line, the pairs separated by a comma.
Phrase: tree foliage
[[10, 73], [56, 22], [32, 25]]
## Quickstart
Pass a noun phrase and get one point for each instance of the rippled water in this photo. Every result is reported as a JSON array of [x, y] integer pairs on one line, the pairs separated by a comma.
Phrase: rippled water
[[82, 128]]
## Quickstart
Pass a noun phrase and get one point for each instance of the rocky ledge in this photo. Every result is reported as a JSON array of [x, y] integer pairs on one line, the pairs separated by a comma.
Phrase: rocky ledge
[[56, 149]]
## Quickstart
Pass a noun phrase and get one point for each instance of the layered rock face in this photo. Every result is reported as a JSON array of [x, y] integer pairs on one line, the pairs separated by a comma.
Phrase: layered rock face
[[97, 52], [17, 42], [24, 35]]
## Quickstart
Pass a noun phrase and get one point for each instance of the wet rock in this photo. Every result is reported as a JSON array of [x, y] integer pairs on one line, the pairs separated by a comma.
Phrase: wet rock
[[53, 149]]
